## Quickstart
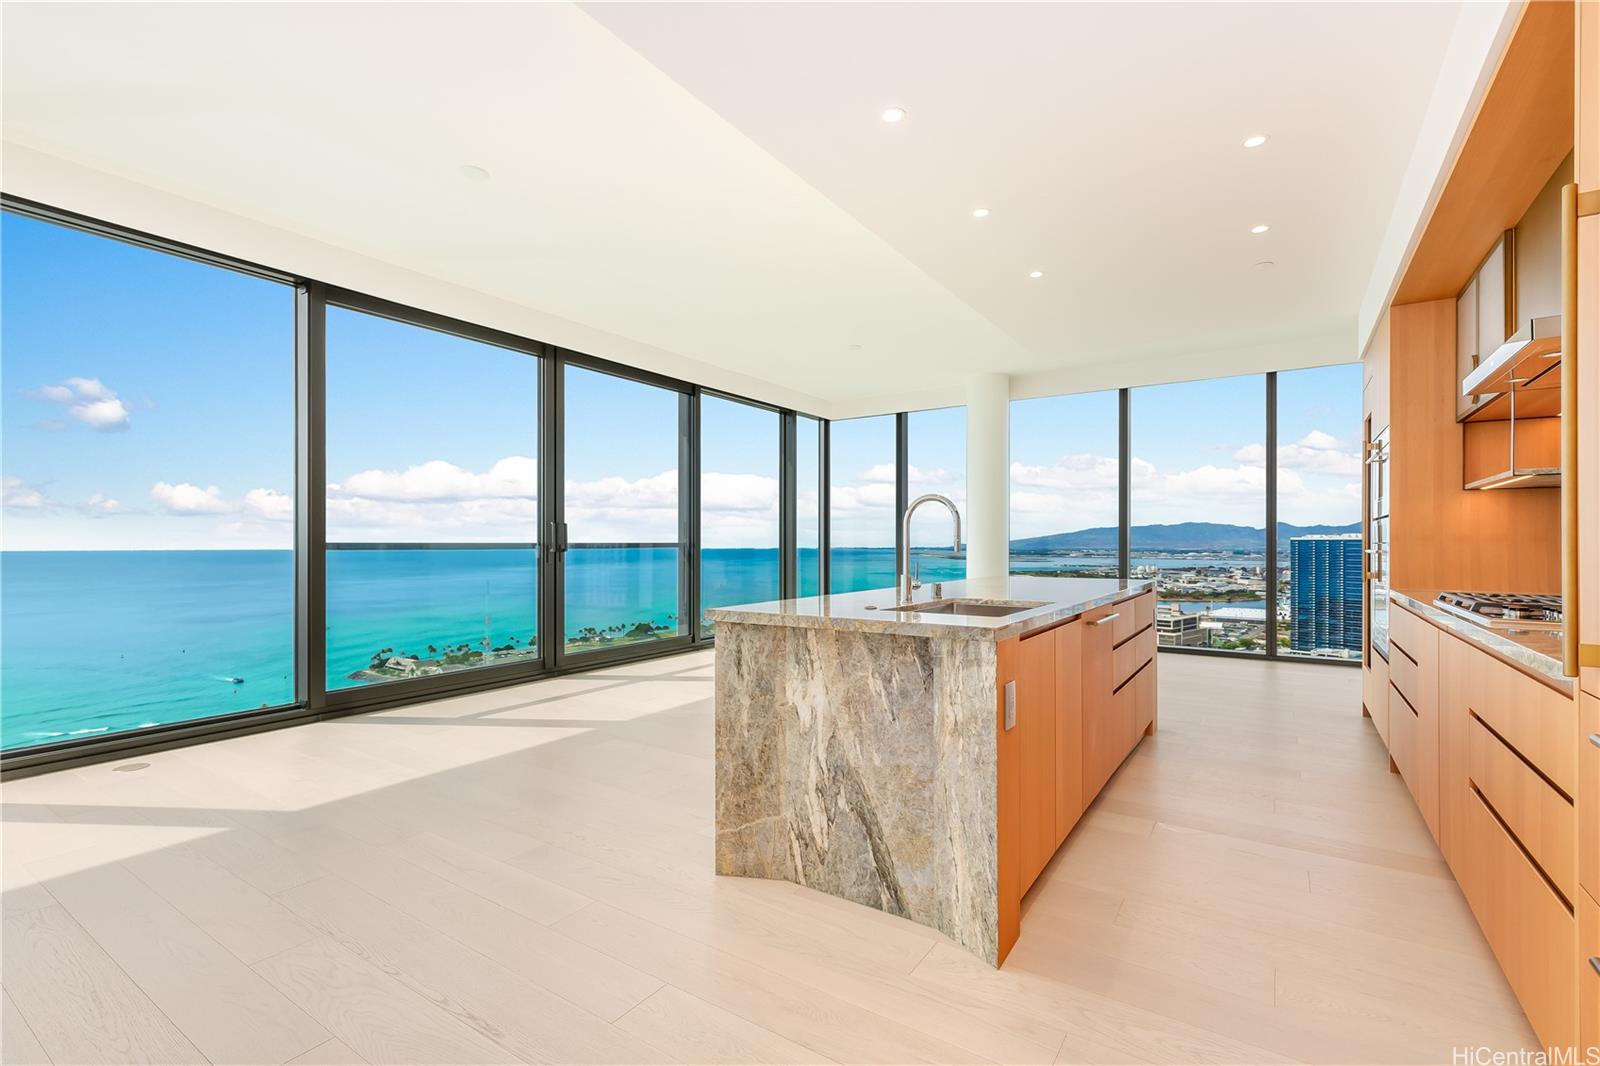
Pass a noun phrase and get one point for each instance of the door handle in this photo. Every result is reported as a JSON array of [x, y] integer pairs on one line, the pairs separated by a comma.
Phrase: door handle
[[558, 536], [1112, 617], [1594, 738]]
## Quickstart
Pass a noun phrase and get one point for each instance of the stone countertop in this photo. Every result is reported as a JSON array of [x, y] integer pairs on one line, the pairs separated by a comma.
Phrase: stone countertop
[[1535, 651], [1054, 599]]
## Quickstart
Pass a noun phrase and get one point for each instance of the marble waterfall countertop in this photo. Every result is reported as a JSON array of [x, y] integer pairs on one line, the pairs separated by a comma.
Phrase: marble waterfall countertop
[[1057, 599], [857, 748], [1535, 651]]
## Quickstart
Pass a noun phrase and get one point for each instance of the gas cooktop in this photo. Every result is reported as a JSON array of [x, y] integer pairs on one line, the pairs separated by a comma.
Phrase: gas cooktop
[[1505, 609]]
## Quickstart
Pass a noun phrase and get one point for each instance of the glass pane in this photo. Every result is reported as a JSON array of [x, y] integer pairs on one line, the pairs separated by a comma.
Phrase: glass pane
[[622, 498], [936, 462], [148, 427], [808, 504], [739, 452], [1319, 512], [1199, 510], [861, 531], [433, 510], [1064, 482]]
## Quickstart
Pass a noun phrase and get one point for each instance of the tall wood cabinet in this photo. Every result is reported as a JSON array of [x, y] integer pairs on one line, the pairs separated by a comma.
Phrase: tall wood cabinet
[[1084, 693]]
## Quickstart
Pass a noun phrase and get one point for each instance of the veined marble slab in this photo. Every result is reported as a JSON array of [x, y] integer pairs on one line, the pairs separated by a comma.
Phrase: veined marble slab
[[857, 754], [1062, 598], [1539, 650], [862, 765]]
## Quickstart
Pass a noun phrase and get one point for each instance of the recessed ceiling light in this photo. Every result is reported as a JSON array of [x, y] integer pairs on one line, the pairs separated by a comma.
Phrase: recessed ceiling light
[[472, 173], [1256, 141], [1035, 273], [1260, 229], [980, 212], [893, 114]]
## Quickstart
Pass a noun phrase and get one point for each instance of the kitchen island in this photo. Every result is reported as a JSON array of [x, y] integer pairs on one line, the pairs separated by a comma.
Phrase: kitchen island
[[927, 763]]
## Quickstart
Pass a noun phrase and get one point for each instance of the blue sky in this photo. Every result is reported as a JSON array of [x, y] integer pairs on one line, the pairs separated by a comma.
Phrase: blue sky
[[148, 402]]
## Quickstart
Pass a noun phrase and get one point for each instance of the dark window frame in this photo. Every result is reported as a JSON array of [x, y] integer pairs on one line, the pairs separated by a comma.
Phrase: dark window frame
[[313, 702]]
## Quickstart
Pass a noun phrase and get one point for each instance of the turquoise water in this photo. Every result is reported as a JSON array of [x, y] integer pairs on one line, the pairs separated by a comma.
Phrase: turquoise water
[[100, 642]]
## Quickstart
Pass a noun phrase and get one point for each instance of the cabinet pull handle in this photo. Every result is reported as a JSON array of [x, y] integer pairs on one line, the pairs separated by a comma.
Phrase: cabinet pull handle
[[1594, 738], [1112, 617], [1594, 961]]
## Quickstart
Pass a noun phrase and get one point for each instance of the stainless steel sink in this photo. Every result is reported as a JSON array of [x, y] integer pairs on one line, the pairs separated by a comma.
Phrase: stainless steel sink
[[971, 608]]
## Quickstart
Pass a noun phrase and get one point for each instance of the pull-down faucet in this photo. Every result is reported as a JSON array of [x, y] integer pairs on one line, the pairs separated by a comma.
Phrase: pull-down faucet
[[905, 537]]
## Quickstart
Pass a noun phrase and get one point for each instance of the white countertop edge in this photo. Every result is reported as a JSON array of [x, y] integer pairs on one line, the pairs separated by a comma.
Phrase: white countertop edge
[[850, 612], [1484, 637]]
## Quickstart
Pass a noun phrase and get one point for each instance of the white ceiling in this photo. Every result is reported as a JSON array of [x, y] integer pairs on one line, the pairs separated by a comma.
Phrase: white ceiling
[[713, 182]]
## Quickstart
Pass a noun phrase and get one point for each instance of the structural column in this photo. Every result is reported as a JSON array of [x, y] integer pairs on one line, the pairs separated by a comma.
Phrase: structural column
[[988, 475]]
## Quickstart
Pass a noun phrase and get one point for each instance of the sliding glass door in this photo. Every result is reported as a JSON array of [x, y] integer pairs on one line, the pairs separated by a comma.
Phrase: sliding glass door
[[622, 540], [432, 502], [740, 448]]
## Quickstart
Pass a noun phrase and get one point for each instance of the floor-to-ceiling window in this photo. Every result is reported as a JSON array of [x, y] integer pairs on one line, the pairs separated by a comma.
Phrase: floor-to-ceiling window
[[808, 505], [432, 501], [622, 503], [936, 462], [147, 576], [1198, 524], [740, 452], [1319, 512], [1065, 470], [861, 504]]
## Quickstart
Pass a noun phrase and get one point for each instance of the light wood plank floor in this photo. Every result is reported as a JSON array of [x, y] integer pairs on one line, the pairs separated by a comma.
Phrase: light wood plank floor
[[526, 876]]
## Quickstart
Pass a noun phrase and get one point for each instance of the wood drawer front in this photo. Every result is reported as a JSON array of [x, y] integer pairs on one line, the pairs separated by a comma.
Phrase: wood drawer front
[[1533, 935], [1124, 616], [1414, 659], [1144, 612], [1538, 721], [1375, 695], [1131, 654], [1402, 735], [1417, 635], [1144, 700], [1588, 974], [1589, 794], [1540, 817]]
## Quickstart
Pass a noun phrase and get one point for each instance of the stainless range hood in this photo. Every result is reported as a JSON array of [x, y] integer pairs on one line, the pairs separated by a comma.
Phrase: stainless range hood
[[1513, 438], [1520, 361]]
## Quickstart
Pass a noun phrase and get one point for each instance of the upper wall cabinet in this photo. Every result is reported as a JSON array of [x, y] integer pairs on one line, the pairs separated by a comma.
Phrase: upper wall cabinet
[[1508, 352], [1483, 316]]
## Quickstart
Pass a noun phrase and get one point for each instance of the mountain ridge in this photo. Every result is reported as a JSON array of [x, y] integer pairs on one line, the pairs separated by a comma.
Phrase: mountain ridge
[[1178, 536]]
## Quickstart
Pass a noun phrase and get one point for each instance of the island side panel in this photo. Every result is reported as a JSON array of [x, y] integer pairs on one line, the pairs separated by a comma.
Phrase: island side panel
[[862, 765]]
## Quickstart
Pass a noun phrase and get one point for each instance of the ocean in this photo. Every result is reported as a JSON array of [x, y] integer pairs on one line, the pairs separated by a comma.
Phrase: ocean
[[95, 642]]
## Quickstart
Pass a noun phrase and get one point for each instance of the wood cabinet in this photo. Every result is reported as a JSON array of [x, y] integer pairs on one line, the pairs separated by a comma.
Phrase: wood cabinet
[[1588, 974], [1069, 729], [1036, 745], [1503, 785], [1530, 929], [1414, 709], [1119, 648], [1073, 701], [1589, 794]]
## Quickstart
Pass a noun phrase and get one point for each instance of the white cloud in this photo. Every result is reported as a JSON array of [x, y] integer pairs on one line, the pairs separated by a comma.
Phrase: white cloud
[[187, 499], [90, 389], [1316, 452], [509, 478], [270, 504], [89, 401], [101, 504], [14, 492], [880, 474]]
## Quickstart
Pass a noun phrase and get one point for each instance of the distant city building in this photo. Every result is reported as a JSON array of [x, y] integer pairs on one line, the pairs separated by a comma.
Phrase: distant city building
[[1325, 593], [1173, 626]]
